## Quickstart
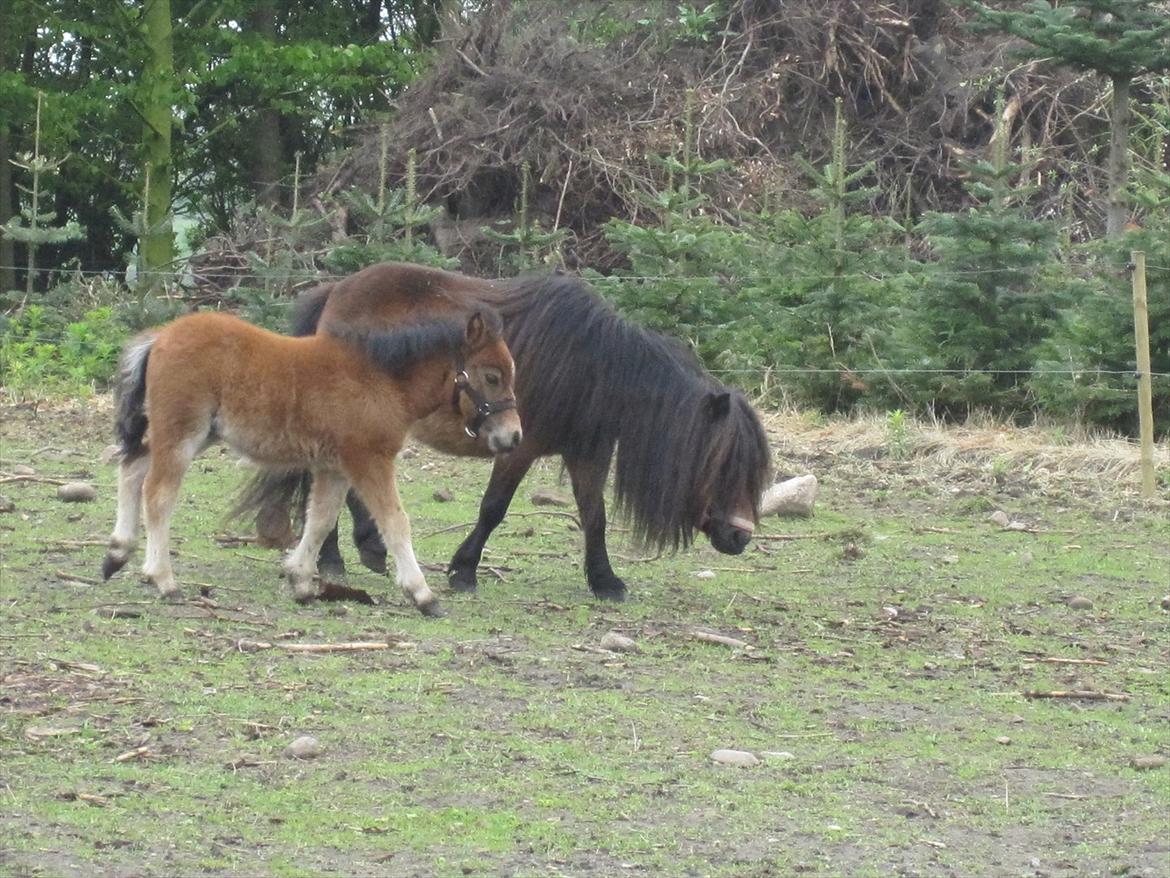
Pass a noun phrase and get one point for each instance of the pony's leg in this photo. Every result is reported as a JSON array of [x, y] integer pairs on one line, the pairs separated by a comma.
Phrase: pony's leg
[[160, 489], [325, 498], [588, 477], [365, 535], [374, 482], [507, 473], [131, 474], [330, 564]]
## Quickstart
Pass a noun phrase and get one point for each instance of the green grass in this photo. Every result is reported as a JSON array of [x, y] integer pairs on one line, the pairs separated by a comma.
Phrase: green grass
[[501, 741]]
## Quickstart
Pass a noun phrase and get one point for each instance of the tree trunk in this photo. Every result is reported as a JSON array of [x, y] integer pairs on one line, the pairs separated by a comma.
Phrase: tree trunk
[[1116, 211], [267, 163], [7, 211], [157, 246]]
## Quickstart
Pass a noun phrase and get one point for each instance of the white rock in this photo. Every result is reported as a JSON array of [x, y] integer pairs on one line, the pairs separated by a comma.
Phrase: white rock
[[77, 492], [741, 758], [304, 747], [615, 642], [1000, 518], [704, 574], [794, 497]]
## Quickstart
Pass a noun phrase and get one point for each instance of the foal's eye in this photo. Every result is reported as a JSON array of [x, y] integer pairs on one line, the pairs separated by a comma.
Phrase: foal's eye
[[492, 379]]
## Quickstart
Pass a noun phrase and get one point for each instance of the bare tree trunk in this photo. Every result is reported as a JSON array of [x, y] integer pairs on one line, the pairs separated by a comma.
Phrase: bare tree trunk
[[1116, 210], [158, 83], [267, 163], [7, 211]]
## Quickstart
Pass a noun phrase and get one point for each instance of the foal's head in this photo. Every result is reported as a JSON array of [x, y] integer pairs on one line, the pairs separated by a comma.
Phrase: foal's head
[[484, 379]]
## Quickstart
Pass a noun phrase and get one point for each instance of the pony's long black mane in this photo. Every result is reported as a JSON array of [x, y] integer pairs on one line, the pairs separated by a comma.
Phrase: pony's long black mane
[[588, 379], [396, 350]]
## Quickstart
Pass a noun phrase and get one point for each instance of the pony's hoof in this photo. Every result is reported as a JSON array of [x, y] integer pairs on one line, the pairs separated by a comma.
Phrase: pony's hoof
[[332, 574], [372, 560], [432, 609], [461, 580], [112, 565], [612, 589]]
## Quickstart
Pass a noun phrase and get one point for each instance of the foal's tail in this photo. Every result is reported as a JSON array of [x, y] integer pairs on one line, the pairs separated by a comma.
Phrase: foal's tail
[[130, 394]]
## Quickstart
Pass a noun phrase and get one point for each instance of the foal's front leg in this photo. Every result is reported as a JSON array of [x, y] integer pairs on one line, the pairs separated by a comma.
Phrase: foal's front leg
[[326, 495], [374, 482]]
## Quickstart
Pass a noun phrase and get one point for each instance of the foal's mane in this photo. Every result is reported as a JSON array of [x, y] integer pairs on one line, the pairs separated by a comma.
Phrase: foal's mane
[[396, 349], [604, 380]]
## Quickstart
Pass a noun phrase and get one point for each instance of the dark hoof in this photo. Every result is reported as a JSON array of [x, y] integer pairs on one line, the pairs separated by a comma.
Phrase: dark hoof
[[373, 560], [333, 574], [432, 609], [461, 580], [112, 565], [609, 589]]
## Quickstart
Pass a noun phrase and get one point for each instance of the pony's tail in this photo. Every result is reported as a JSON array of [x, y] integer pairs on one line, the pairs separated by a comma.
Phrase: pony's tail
[[130, 420], [307, 313], [271, 495]]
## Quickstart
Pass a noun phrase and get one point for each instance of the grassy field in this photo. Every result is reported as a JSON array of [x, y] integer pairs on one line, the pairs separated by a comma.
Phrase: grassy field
[[893, 646]]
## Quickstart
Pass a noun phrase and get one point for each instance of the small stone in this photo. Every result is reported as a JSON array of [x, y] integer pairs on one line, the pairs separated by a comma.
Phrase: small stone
[[23, 470], [1146, 763], [1079, 602], [704, 574], [615, 642], [6, 504], [408, 453], [1004, 740], [1000, 518], [443, 495], [548, 498], [1016, 525], [110, 454], [77, 492], [304, 747], [741, 758]]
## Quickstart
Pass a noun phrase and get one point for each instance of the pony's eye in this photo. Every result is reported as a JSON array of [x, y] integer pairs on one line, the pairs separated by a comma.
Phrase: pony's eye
[[492, 379]]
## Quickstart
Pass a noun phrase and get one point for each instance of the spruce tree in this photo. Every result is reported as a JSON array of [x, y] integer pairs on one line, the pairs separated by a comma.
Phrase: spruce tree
[[1119, 39], [986, 303]]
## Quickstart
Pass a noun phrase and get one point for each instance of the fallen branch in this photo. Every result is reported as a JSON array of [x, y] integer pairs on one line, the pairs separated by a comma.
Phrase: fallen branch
[[1055, 660], [1081, 694], [72, 577], [352, 646], [42, 480]]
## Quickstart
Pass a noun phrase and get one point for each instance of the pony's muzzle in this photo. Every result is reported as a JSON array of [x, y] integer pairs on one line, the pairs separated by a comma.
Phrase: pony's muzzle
[[504, 440]]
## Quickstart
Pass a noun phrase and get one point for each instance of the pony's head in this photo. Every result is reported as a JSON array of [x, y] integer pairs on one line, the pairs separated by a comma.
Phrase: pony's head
[[484, 384], [732, 474]]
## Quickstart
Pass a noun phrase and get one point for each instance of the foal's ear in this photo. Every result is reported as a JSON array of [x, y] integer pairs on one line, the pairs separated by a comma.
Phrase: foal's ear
[[719, 405], [476, 331]]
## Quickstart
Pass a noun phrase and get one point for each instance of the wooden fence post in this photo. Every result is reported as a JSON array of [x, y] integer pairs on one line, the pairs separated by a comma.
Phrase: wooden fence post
[[1141, 327]]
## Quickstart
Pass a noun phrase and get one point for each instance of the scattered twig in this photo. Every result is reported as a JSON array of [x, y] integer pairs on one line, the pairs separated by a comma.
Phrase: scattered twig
[[722, 639], [72, 577], [1056, 660], [42, 480], [137, 753]]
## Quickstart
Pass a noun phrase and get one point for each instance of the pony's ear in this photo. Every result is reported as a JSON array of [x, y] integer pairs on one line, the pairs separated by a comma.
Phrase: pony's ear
[[476, 331], [719, 405]]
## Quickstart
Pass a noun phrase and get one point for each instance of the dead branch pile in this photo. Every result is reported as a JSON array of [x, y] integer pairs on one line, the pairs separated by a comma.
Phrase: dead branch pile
[[537, 83]]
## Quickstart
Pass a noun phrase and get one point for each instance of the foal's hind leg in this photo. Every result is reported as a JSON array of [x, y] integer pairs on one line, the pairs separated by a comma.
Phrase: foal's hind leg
[[374, 482], [168, 464], [507, 473], [131, 474], [325, 498]]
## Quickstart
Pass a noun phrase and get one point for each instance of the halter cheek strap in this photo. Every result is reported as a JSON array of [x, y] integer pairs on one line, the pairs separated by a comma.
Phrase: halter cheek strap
[[484, 408]]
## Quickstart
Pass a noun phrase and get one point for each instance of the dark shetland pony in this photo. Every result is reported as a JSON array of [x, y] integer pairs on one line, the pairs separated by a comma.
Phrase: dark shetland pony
[[338, 405], [691, 454]]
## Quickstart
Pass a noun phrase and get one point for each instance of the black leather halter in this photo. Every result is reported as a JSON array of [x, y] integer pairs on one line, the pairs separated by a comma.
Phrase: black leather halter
[[484, 409]]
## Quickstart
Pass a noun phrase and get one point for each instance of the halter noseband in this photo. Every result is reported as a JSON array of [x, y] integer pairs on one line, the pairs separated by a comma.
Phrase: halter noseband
[[484, 409]]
